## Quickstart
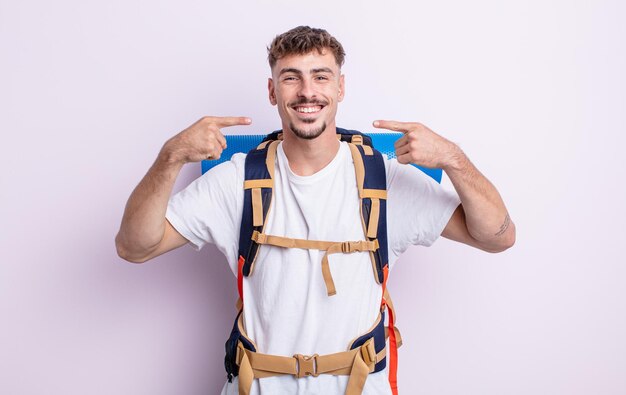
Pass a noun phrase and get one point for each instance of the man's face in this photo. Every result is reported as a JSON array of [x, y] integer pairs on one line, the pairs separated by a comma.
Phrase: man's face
[[306, 89]]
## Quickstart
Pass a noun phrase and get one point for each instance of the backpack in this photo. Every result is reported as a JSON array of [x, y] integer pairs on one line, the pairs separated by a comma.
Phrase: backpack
[[367, 353]]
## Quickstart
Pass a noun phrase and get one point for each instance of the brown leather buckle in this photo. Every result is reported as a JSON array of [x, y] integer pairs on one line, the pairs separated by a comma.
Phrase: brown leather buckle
[[306, 365]]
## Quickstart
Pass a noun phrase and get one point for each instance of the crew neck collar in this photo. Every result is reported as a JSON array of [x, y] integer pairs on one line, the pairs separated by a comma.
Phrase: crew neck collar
[[330, 167]]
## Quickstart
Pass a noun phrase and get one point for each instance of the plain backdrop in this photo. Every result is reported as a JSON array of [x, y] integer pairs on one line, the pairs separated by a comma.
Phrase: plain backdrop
[[533, 91]]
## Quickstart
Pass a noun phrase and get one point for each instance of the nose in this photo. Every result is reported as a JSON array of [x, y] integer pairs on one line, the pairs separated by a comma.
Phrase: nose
[[306, 89]]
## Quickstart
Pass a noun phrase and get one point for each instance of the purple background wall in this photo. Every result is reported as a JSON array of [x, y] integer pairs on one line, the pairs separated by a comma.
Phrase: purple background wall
[[534, 92]]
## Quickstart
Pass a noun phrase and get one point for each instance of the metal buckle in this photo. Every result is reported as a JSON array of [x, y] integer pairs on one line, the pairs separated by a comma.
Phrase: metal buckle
[[306, 365]]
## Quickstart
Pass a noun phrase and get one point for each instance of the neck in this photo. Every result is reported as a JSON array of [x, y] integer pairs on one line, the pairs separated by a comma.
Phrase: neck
[[307, 157]]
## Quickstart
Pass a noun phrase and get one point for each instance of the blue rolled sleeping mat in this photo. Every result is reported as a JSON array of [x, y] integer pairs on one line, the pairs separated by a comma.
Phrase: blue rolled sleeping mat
[[382, 141]]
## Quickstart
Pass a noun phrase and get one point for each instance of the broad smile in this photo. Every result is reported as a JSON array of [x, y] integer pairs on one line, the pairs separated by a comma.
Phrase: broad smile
[[308, 109]]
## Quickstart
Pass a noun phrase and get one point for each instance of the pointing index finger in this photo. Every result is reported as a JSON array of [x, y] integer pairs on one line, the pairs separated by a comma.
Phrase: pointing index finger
[[392, 125], [223, 122]]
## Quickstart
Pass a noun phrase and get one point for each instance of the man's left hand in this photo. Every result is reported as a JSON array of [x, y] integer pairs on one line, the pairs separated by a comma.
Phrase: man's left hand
[[420, 145]]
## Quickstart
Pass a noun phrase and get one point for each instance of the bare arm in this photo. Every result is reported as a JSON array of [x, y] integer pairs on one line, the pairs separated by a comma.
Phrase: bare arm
[[144, 232], [482, 219], [488, 225]]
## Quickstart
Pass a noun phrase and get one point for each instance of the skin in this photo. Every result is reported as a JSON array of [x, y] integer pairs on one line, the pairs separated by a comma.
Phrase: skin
[[144, 232], [312, 80], [481, 220]]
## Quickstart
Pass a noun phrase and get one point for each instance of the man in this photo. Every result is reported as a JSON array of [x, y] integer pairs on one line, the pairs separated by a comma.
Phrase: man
[[287, 310]]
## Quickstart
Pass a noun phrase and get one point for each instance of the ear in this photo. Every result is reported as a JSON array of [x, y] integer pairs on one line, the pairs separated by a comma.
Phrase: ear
[[271, 91], [342, 88]]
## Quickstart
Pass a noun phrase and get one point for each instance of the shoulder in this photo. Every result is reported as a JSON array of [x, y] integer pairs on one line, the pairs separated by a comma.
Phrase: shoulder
[[225, 176], [232, 167]]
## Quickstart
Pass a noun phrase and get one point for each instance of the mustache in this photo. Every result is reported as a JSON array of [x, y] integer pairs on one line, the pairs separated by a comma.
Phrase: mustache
[[304, 100]]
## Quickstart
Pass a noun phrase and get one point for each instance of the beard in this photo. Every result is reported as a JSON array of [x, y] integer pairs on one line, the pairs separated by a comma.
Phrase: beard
[[308, 134]]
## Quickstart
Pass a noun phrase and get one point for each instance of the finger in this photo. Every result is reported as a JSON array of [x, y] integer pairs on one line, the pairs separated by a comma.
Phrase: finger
[[221, 139], [214, 153], [392, 125], [404, 140], [222, 122], [405, 159], [402, 150]]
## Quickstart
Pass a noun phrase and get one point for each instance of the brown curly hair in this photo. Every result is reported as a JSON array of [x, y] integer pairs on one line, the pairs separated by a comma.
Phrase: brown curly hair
[[302, 40]]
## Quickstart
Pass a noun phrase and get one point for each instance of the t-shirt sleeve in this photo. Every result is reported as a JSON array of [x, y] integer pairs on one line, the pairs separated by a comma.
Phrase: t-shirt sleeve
[[418, 208], [209, 209]]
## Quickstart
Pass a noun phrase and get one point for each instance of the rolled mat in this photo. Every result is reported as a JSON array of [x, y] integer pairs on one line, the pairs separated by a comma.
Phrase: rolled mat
[[383, 142]]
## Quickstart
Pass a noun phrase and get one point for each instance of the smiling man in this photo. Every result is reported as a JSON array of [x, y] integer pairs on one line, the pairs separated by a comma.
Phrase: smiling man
[[311, 322], [308, 92]]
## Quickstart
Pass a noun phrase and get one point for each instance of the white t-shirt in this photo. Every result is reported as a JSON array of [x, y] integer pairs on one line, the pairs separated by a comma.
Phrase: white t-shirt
[[286, 308]]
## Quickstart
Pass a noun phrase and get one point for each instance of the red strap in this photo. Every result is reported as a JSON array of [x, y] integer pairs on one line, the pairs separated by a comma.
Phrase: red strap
[[242, 260], [393, 346], [393, 355], [385, 275]]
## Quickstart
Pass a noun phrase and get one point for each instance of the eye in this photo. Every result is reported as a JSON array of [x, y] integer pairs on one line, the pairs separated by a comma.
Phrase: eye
[[321, 78], [290, 78]]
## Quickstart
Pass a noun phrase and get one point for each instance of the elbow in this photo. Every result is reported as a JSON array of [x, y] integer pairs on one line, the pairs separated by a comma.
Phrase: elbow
[[124, 253], [504, 242], [510, 239], [499, 248]]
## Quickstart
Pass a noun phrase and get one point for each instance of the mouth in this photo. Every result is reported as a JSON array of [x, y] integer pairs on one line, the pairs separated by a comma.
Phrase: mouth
[[308, 109]]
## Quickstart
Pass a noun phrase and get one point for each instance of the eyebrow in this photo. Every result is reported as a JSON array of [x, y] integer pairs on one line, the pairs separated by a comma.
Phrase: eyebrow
[[322, 70], [299, 72]]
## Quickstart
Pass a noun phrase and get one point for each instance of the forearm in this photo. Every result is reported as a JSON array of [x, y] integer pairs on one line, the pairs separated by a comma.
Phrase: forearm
[[486, 216], [143, 223], [482, 220]]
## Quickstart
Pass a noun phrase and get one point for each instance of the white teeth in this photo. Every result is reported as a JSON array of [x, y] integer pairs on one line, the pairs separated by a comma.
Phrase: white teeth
[[307, 110]]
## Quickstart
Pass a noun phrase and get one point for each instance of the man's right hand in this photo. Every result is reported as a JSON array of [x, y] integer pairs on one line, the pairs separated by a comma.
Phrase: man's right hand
[[200, 141], [144, 232]]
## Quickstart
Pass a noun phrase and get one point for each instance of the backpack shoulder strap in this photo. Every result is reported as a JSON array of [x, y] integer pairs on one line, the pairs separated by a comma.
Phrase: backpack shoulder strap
[[371, 178], [258, 192], [258, 187], [355, 137]]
